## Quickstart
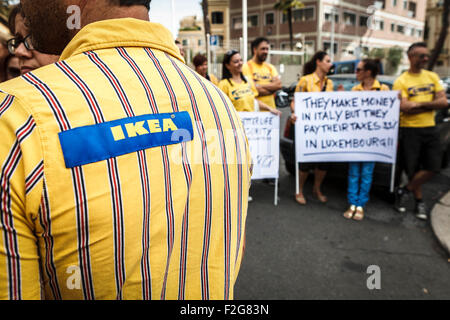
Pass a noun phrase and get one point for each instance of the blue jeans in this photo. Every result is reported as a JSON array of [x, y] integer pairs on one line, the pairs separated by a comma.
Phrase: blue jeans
[[359, 182]]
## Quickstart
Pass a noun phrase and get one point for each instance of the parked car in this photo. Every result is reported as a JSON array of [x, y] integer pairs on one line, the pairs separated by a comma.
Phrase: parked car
[[382, 173], [347, 67]]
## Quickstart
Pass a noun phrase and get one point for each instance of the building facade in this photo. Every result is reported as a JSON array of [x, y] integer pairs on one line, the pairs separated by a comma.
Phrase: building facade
[[435, 9], [359, 25]]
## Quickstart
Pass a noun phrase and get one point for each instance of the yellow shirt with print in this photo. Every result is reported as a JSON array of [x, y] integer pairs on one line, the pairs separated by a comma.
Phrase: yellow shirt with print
[[376, 86], [151, 224], [242, 95], [311, 83], [421, 87], [261, 74]]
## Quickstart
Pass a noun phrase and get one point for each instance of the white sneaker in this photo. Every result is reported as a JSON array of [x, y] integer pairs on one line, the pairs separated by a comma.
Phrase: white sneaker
[[250, 199]]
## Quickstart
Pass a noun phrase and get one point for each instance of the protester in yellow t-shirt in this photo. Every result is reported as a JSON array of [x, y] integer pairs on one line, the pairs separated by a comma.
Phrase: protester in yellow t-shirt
[[315, 80], [238, 88], [419, 146], [201, 66], [360, 173], [264, 75]]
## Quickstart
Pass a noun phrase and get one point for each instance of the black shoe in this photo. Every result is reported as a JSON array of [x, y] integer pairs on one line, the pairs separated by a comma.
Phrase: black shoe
[[401, 199], [421, 211]]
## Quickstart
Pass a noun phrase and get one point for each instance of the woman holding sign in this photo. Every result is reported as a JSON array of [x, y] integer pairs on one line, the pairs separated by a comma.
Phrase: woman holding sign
[[360, 173], [241, 90], [314, 80]]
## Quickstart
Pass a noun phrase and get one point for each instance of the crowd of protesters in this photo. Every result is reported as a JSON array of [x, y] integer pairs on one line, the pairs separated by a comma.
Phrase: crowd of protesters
[[251, 87], [59, 186], [420, 160]]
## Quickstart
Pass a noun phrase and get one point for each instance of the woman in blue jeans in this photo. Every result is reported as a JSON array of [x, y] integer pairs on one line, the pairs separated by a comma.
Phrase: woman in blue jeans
[[360, 173]]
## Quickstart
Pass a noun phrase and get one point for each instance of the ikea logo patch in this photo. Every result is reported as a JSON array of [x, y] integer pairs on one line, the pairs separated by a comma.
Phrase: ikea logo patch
[[107, 140], [135, 129]]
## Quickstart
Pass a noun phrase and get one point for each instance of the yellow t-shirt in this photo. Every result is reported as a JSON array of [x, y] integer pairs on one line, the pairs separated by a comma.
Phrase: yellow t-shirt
[[242, 95], [420, 87], [162, 222], [311, 83], [261, 74], [213, 79], [376, 86]]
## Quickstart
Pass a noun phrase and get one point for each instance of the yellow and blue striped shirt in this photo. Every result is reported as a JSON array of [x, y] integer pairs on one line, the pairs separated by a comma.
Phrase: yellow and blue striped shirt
[[164, 222]]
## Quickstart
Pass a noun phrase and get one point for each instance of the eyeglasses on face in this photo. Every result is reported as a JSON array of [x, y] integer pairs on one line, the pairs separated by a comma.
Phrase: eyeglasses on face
[[15, 42], [359, 69]]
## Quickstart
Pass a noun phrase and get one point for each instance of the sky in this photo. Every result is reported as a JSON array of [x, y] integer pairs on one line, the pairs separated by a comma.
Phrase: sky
[[161, 12]]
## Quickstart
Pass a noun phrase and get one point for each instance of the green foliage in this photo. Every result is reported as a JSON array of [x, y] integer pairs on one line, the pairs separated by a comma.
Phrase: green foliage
[[394, 58], [286, 5], [377, 53]]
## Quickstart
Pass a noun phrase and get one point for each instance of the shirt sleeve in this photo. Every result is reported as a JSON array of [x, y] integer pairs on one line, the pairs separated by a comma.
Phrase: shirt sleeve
[[21, 178], [301, 86], [274, 71], [246, 71], [437, 82], [330, 86], [224, 87], [398, 86]]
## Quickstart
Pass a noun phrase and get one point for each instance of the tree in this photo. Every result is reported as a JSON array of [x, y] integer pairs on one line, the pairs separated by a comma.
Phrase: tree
[[206, 23], [286, 6], [394, 58], [442, 35]]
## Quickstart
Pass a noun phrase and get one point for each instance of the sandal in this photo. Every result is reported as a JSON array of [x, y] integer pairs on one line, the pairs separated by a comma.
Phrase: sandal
[[350, 212], [300, 198], [320, 197], [359, 214]]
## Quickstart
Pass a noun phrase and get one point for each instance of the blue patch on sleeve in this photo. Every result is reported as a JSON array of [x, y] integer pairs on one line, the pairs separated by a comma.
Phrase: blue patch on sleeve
[[107, 140]]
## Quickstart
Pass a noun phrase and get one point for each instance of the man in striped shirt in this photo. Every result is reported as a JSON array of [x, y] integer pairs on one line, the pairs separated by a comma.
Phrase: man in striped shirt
[[124, 174]]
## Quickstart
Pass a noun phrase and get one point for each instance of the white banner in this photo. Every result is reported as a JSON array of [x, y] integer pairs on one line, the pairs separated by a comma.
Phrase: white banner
[[347, 126], [263, 134]]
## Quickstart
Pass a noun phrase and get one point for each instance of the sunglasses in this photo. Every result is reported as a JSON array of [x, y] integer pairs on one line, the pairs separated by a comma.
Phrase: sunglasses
[[14, 43], [423, 56], [231, 52]]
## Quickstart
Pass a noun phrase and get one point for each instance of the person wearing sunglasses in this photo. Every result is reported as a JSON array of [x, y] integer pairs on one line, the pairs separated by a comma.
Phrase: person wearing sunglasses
[[360, 173], [241, 90], [21, 45], [419, 146]]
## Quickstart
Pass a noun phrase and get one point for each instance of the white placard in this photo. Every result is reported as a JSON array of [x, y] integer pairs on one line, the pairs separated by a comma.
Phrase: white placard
[[263, 134], [347, 126]]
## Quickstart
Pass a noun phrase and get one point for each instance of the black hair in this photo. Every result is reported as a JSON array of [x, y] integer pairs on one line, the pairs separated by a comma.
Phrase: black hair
[[226, 74], [257, 42], [199, 59], [127, 3], [373, 65], [17, 9], [311, 65], [416, 45]]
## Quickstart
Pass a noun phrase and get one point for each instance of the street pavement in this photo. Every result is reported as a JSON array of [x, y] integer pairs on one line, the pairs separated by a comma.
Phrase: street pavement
[[309, 252]]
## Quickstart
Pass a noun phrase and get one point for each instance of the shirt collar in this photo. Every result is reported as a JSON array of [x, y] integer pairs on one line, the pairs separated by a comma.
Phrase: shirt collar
[[317, 79], [376, 85], [126, 32]]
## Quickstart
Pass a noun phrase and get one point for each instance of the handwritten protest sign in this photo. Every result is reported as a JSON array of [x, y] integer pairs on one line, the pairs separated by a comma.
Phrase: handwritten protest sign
[[347, 126], [263, 134]]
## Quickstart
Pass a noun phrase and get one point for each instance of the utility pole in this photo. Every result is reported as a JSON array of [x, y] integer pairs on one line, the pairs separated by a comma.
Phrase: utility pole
[[245, 30]]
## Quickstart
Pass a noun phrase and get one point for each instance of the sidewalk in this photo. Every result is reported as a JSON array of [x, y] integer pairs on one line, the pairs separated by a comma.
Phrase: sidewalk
[[440, 221]]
